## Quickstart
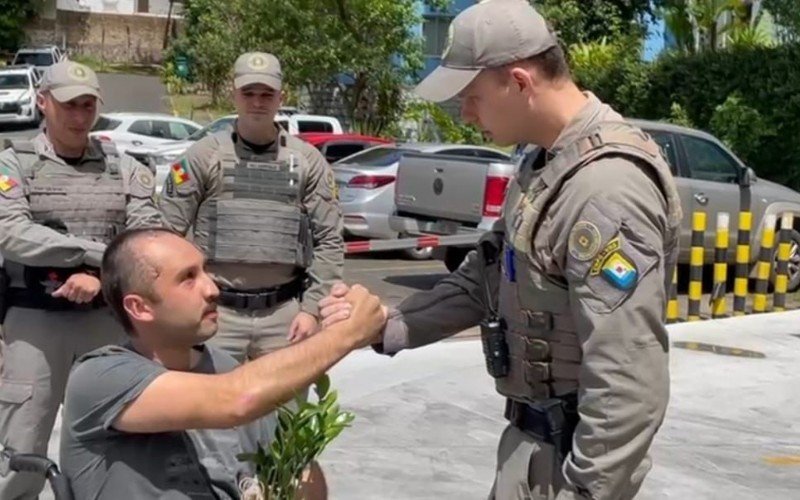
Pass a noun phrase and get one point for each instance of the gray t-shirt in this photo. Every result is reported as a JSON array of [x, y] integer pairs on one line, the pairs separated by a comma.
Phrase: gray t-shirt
[[104, 463]]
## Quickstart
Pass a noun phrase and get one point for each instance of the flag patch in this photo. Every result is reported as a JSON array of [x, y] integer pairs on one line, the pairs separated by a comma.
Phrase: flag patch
[[620, 271], [179, 172]]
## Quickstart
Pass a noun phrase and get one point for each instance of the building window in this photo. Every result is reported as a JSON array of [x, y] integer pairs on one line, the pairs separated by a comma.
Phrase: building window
[[434, 31], [143, 6]]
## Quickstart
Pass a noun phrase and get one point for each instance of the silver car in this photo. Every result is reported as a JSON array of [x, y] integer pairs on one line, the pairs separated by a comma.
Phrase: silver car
[[366, 182]]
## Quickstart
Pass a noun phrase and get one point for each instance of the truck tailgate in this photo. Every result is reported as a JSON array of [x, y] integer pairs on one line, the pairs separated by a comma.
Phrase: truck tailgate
[[441, 186]]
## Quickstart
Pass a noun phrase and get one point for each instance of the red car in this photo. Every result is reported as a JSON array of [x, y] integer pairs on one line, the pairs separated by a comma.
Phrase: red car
[[336, 146]]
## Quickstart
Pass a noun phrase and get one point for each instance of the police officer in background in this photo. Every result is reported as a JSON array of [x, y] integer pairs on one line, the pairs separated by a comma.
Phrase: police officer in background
[[261, 205], [63, 197], [570, 286]]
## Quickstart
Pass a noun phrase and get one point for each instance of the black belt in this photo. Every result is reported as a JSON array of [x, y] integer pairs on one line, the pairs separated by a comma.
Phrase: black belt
[[22, 297], [551, 421], [253, 300]]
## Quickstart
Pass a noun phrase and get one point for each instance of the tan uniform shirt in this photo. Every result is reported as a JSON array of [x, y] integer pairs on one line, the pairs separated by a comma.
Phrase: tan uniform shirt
[[24, 241], [180, 205]]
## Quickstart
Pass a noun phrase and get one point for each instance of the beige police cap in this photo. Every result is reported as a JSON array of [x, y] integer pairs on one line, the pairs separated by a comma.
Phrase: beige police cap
[[257, 67], [67, 80], [486, 35]]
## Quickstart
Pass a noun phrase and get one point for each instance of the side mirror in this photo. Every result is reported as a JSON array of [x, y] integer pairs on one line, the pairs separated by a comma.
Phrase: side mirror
[[748, 177]]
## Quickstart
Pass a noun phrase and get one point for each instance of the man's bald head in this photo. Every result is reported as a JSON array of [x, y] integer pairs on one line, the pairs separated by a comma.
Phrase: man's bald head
[[128, 269]]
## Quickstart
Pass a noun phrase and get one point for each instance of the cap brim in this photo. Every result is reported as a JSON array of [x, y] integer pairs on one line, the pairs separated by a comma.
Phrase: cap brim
[[445, 83], [70, 92], [244, 80]]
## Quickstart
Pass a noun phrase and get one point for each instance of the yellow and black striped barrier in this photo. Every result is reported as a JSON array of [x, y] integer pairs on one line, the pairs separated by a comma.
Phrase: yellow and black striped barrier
[[782, 264], [696, 265], [718, 306], [672, 304], [742, 263], [764, 266]]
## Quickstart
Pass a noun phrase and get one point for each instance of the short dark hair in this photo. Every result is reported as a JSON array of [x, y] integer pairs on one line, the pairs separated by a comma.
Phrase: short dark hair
[[126, 270], [552, 63]]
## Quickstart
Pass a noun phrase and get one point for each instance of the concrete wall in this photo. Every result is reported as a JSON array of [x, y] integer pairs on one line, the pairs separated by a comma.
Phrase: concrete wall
[[157, 7], [112, 37]]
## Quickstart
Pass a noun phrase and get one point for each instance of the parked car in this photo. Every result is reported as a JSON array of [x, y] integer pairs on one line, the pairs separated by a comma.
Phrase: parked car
[[39, 57], [162, 157], [18, 95], [334, 147], [366, 184], [710, 178], [149, 130]]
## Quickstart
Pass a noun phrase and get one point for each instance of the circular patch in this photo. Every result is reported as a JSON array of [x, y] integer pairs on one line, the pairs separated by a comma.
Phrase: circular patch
[[145, 178], [78, 72], [584, 241], [257, 62]]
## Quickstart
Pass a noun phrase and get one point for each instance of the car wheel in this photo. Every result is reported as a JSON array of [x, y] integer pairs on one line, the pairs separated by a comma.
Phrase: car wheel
[[454, 256], [794, 262], [424, 253]]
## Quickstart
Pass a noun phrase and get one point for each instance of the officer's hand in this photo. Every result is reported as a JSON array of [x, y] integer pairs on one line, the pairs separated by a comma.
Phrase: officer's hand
[[335, 308], [368, 316], [80, 288], [303, 325]]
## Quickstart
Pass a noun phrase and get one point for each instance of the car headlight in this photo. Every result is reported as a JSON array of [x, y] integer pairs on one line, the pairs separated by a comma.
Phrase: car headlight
[[26, 101], [162, 159]]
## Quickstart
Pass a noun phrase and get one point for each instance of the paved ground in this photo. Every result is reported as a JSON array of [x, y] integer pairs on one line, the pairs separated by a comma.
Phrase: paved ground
[[428, 421]]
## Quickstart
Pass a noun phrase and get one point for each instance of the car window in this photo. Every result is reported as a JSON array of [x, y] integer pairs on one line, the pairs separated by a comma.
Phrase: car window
[[314, 126], [141, 127], [490, 155], [335, 152], [212, 128], [709, 162], [458, 152], [666, 142], [34, 58], [180, 131], [162, 129], [11, 81], [105, 123], [375, 157]]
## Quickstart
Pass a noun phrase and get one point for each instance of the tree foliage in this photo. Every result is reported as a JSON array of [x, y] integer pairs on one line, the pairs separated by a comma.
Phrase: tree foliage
[[16, 13]]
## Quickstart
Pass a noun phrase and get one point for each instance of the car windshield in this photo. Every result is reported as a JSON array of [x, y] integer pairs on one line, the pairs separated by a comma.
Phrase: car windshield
[[212, 128], [375, 157], [34, 58], [14, 81]]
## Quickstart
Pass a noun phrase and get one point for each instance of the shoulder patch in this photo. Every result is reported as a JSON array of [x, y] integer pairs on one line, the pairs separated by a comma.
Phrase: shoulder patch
[[584, 240], [7, 182], [179, 171]]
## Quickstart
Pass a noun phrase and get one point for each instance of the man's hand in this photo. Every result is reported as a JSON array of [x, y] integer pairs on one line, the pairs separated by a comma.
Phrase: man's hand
[[335, 308], [80, 288], [367, 318], [303, 325]]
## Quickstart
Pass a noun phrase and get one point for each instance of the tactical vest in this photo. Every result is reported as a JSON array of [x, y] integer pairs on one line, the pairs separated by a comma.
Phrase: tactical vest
[[545, 355], [91, 206], [257, 217]]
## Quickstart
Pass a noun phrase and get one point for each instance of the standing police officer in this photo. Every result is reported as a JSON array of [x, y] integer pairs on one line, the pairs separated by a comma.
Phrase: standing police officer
[[263, 208], [570, 286], [63, 196]]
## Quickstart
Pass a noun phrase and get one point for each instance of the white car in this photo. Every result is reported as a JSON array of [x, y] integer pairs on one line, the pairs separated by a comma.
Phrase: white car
[[39, 57], [135, 130], [161, 158], [18, 96]]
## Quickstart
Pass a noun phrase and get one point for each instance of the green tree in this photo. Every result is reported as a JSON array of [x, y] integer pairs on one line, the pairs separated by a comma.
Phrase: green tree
[[16, 14], [787, 16], [362, 51], [581, 21]]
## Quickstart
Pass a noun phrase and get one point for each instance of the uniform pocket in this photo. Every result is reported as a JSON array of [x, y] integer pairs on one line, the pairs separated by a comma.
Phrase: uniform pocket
[[15, 392]]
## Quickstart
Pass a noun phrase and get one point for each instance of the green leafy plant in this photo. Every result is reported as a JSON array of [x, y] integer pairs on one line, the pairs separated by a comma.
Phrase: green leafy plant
[[300, 438]]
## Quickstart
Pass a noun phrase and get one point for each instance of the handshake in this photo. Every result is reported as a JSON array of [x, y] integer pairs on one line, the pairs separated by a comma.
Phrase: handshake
[[355, 308]]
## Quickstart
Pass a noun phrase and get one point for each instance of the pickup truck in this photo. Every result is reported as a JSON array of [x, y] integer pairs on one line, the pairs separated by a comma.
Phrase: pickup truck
[[449, 195], [453, 197]]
